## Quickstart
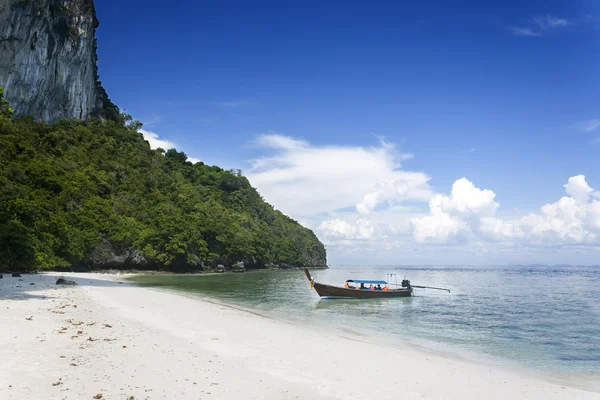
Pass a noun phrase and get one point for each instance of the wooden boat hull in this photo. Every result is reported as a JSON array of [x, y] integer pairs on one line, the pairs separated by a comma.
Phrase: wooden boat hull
[[336, 292]]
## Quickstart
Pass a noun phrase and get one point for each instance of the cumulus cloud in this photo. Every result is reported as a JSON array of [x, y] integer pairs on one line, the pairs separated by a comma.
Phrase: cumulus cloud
[[578, 189], [303, 179], [361, 203], [340, 229], [450, 216], [466, 199], [155, 142], [439, 227], [572, 220], [468, 213], [413, 186], [384, 228]]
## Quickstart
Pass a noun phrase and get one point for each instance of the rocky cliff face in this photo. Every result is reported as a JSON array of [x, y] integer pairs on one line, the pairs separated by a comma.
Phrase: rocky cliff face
[[48, 59]]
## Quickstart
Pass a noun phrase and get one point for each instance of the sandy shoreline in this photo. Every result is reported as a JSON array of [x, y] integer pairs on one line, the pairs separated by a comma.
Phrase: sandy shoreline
[[119, 340]]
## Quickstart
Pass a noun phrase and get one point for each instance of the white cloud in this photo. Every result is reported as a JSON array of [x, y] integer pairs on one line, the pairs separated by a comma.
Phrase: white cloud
[[365, 208], [572, 220], [466, 199], [302, 179], [539, 25], [578, 189], [549, 21], [155, 142], [524, 32], [450, 215], [468, 214], [439, 227], [413, 186], [590, 125], [340, 229], [280, 142]]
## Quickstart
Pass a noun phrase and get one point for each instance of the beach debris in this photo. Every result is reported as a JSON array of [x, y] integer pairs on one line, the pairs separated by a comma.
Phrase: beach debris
[[109, 340], [73, 365], [16, 275], [1, 276], [32, 284], [91, 324], [29, 318], [57, 383], [58, 312], [75, 323], [74, 337], [124, 347], [98, 396], [89, 339], [20, 280], [131, 398], [62, 357], [107, 326], [80, 332], [63, 281], [63, 328]]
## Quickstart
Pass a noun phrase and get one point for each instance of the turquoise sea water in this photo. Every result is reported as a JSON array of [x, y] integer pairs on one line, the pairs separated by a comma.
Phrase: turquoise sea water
[[547, 318]]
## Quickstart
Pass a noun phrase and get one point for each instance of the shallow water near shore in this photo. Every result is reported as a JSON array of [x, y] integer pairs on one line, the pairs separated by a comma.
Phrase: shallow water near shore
[[547, 318]]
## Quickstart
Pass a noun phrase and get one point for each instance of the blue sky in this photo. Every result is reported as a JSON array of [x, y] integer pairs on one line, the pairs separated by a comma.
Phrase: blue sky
[[504, 95]]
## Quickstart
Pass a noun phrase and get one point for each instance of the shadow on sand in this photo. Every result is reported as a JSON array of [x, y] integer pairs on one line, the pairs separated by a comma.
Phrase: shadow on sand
[[26, 286]]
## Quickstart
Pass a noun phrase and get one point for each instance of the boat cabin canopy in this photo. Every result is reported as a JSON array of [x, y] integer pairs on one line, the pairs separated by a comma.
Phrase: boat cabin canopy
[[367, 281]]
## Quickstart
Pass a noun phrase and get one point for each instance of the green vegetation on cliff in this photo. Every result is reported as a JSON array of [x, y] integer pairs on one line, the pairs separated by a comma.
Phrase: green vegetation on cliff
[[93, 194]]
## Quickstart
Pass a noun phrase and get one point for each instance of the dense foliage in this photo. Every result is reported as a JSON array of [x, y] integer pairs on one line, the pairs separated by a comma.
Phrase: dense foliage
[[74, 189]]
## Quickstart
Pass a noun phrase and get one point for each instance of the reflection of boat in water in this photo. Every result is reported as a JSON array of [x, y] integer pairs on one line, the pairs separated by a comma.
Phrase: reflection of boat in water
[[356, 289]]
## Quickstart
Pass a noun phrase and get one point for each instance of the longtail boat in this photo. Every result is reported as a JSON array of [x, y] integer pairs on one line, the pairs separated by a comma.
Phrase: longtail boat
[[355, 289]]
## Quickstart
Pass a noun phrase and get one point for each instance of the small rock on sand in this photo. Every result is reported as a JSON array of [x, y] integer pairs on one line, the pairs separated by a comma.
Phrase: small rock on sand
[[63, 281]]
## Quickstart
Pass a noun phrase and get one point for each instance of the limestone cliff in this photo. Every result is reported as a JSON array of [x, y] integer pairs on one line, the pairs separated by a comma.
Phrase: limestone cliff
[[48, 59]]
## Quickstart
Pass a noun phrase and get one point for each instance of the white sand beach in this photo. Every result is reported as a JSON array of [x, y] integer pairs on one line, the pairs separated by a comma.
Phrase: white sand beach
[[126, 342]]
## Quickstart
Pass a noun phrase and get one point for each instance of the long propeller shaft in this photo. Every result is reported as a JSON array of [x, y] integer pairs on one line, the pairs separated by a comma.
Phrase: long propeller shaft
[[424, 287], [430, 287]]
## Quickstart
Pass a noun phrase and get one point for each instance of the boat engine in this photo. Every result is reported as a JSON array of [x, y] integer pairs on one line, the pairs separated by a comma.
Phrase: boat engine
[[406, 283]]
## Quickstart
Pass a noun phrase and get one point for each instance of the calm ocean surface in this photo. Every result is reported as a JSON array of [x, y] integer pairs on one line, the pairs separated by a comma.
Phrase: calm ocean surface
[[547, 318]]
